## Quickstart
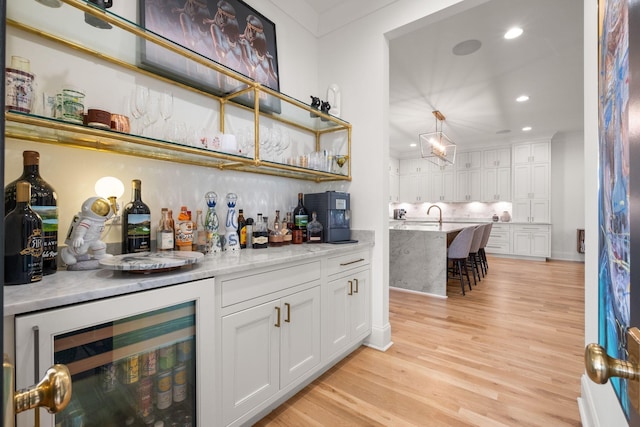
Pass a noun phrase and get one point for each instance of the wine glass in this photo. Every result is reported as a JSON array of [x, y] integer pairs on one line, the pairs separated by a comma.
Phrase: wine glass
[[153, 113], [166, 105]]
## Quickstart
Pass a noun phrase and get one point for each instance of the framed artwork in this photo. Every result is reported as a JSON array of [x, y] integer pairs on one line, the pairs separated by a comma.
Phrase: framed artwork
[[229, 32]]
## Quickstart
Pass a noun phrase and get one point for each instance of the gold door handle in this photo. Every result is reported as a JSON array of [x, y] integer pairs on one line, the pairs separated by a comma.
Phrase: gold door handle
[[350, 288], [53, 392], [277, 325], [600, 366], [288, 318]]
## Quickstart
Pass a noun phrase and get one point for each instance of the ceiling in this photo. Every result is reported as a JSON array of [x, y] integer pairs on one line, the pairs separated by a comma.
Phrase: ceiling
[[476, 93]]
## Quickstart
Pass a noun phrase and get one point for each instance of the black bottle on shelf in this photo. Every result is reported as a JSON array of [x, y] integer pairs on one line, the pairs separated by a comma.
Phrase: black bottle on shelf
[[301, 218], [44, 202], [23, 240], [136, 222]]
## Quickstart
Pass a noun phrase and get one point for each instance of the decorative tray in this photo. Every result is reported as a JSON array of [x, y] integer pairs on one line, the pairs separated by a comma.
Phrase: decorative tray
[[151, 262]]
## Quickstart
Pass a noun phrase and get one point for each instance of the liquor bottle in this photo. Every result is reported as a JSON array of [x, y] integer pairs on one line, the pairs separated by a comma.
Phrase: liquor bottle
[[260, 236], [242, 229], [43, 202], [314, 230], [301, 218], [23, 241], [165, 233], [200, 233], [184, 230], [249, 232], [172, 224], [232, 238], [286, 232], [275, 235], [136, 222], [212, 223]]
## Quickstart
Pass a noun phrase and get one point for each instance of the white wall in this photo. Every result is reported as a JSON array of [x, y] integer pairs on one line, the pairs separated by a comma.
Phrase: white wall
[[567, 194]]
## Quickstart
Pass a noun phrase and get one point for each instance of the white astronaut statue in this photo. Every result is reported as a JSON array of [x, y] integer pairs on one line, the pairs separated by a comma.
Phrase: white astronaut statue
[[83, 238]]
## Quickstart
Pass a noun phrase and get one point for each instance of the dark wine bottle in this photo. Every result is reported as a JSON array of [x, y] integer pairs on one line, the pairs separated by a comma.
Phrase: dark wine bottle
[[23, 240], [242, 229], [301, 218], [44, 201], [136, 222]]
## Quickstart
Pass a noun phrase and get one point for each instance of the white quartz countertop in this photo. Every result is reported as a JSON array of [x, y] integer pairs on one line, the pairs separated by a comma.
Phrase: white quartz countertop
[[70, 287], [445, 227]]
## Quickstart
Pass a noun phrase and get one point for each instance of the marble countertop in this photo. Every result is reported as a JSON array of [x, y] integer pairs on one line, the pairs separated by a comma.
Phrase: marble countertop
[[445, 227], [70, 287]]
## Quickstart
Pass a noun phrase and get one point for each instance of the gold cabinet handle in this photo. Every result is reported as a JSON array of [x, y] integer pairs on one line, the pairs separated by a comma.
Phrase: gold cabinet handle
[[350, 287], [356, 291], [343, 264], [600, 366], [288, 318], [277, 325]]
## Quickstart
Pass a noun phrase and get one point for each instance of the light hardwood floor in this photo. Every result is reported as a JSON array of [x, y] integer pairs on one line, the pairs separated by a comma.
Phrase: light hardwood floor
[[509, 353]]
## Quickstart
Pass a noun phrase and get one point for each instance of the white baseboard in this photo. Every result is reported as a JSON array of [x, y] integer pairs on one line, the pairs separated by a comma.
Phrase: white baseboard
[[380, 338]]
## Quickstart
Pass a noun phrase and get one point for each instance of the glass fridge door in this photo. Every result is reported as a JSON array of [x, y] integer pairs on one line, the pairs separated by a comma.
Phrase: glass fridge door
[[134, 359]]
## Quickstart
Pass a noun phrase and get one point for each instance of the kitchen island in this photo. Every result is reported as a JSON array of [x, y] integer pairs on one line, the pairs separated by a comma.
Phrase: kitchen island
[[418, 255]]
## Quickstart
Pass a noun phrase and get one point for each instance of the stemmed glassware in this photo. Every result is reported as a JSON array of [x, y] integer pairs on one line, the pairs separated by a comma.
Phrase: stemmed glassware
[[166, 111], [152, 115], [138, 106]]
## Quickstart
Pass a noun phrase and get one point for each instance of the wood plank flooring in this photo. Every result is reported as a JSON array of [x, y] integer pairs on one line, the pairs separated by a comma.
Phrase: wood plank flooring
[[509, 353]]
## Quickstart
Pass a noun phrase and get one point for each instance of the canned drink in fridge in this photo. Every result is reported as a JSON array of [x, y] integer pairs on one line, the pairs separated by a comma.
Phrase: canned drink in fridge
[[108, 377], [129, 370], [164, 389], [179, 383], [184, 350], [144, 403], [167, 357], [149, 363]]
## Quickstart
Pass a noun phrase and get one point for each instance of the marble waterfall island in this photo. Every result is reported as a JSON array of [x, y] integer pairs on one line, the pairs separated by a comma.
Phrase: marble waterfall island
[[418, 255]]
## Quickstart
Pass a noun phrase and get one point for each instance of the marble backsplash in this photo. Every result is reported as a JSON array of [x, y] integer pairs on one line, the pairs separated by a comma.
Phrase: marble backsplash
[[452, 211]]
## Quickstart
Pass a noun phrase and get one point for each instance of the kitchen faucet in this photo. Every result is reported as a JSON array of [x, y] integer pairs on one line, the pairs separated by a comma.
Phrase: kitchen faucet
[[439, 209]]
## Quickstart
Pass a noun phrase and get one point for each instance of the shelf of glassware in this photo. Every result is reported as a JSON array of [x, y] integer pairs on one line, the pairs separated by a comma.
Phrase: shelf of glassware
[[238, 90], [46, 130]]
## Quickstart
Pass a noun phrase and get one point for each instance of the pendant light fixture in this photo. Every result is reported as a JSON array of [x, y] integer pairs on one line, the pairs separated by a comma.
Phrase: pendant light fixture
[[436, 146]]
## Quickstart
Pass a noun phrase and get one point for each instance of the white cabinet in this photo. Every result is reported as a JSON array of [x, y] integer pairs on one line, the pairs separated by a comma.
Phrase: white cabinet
[[442, 185], [347, 312], [532, 240], [531, 182], [410, 166], [536, 210], [496, 184], [413, 188], [270, 334], [499, 240], [497, 158], [469, 160], [394, 180], [469, 185]]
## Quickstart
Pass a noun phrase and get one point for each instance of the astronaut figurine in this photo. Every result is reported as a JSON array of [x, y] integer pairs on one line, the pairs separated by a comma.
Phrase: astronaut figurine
[[84, 246]]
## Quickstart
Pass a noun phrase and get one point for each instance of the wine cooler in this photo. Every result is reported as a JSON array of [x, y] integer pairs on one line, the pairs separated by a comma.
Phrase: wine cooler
[[134, 360]]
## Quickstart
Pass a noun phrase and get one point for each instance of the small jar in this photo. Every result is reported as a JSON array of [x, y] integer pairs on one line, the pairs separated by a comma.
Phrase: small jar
[[297, 237], [505, 217], [495, 218]]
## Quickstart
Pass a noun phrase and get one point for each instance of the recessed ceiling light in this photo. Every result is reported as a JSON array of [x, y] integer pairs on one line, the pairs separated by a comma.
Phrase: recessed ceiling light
[[522, 98], [466, 47], [526, 128], [413, 144], [513, 33]]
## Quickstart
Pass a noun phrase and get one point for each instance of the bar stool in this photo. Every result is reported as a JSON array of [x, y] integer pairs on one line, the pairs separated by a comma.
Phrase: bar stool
[[458, 252], [485, 239], [474, 257]]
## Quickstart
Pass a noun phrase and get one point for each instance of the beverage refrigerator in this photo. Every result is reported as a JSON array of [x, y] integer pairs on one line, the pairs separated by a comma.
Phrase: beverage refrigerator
[[135, 359]]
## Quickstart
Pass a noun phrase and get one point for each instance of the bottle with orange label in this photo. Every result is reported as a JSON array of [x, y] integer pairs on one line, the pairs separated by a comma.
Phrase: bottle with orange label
[[184, 230]]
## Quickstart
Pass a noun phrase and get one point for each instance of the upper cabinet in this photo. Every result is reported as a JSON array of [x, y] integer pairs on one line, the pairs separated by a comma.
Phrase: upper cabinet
[[468, 160], [272, 133]]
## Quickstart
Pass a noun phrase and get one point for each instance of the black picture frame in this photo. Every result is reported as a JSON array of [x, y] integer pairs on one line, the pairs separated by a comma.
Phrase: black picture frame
[[228, 32]]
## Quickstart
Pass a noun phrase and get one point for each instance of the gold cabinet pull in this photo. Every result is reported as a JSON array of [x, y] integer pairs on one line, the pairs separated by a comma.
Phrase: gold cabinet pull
[[342, 264], [356, 291], [53, 392], [277, 325], [350, 287], [288, 318]]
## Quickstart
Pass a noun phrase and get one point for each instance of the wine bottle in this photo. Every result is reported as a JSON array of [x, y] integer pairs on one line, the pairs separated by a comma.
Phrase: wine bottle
[[165, 233], [136, 222], [23, 240], [242, 229], [43, 202], [301, 218]]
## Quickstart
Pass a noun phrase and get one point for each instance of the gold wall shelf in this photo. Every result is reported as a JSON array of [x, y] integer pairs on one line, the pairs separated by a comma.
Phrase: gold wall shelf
[[294, 113]]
